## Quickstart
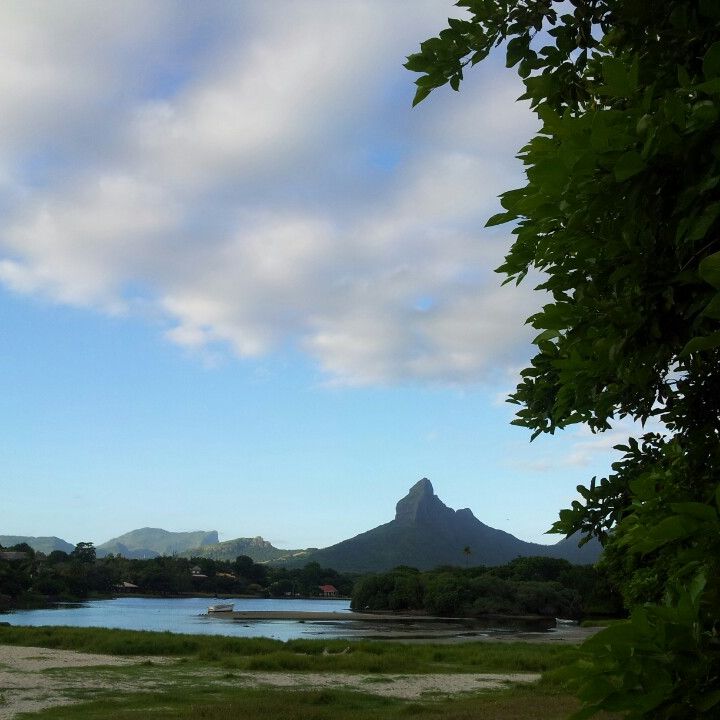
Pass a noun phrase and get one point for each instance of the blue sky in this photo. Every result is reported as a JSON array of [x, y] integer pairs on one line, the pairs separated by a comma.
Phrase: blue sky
[[245, 287]]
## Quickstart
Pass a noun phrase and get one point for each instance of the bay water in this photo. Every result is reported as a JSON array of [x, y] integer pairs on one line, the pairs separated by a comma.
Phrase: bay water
[[189, 615]]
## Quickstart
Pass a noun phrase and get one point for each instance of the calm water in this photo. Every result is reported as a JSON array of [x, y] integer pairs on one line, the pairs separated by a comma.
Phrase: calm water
[[186, 616]]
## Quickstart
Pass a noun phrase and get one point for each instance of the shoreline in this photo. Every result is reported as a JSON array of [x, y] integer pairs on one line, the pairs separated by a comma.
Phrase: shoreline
[[374, 617], [428, 628]]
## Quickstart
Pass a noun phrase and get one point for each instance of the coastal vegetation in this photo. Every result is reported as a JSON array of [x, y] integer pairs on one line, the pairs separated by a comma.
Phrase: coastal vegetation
[[525, 586], [536, 585], [29, 578]]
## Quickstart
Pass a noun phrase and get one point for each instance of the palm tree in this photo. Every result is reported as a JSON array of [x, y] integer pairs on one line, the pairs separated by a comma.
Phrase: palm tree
[[467, 552]]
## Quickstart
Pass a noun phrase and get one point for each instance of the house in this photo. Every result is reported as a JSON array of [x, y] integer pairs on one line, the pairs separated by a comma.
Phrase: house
[[126, 586], [328, 591]]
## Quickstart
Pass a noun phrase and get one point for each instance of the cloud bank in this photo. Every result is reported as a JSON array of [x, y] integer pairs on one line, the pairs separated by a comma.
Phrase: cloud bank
[[253, 174]]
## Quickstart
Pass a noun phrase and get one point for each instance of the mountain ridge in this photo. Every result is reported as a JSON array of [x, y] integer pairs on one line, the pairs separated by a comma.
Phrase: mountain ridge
[[426, 533], [150, 542], [44, 544], [257, 548]]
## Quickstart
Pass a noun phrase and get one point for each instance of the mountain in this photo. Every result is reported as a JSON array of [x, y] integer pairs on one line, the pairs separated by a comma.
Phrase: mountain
[[256, 548], [426, 533], [151, 542], [39, 544]]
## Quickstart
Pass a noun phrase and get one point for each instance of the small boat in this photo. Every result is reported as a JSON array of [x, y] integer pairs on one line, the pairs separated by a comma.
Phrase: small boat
[[221, 607]]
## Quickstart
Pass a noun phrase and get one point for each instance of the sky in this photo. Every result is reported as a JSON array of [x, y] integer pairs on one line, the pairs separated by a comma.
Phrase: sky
[[246, 287]]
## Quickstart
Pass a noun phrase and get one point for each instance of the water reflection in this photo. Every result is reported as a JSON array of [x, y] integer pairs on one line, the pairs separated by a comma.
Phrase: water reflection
[[189, 615], [184, 615]]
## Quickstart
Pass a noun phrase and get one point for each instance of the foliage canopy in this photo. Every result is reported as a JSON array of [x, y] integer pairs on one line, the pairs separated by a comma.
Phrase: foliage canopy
[[620, 214]]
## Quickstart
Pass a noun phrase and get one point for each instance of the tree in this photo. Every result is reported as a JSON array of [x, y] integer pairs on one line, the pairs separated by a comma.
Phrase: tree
[[84, 552], [620, 216]]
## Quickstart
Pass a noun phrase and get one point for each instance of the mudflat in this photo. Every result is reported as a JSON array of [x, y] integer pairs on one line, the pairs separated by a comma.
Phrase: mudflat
[[422, 627], [304, 615]]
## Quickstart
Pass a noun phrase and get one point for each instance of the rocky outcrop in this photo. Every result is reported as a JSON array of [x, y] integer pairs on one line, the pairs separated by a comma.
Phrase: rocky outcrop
[[422, 506]]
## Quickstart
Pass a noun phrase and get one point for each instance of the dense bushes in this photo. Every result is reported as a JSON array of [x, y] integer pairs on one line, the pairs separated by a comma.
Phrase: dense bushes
[[526, 586]]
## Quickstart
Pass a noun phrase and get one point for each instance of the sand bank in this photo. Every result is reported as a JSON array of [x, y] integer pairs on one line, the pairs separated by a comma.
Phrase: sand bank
[[426, 628]]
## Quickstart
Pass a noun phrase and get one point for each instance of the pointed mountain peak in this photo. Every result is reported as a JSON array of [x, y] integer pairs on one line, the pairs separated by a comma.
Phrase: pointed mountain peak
[[420, 505], [422, 487]]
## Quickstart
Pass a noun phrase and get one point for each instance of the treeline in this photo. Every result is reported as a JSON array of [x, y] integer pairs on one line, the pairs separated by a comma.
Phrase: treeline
[[526, 586], [29, 578]]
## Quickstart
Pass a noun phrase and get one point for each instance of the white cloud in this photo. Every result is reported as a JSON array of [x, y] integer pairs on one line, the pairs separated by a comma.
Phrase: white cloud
[[259, 170], [589, 445], [81, 248], [581, 448]]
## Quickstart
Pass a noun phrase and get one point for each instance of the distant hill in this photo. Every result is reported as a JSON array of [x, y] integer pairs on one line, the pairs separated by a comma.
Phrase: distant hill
[[152, 542], [257, 548], [39, 544], [426, 533]]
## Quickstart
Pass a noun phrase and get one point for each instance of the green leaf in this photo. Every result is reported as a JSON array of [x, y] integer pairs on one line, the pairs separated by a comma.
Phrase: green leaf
[[711, 61], [644, 487], [618, 77], [709, 270], [711, 87], [500, 219], [516, 50], [697, 586], [712, 309], [702, 225], [629, 164], [707, 701], [698, 344], [545, 335], [697, 510], [420, 95], [417, 62], [618, 635], [666, 531]]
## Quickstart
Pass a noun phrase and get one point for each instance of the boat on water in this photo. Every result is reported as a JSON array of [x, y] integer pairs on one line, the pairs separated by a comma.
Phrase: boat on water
[[221, 607]]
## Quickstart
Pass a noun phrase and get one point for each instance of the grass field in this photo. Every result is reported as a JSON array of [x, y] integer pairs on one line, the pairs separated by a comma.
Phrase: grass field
[[263, 703], [213, 677], [300, 655]]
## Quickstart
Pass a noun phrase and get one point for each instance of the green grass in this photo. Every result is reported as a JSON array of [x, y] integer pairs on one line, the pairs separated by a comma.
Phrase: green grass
[[261, 704], [262, 654], [201, 681]]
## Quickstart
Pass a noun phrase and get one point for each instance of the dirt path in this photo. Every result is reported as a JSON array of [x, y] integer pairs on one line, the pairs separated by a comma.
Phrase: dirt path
[[25, 687]]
